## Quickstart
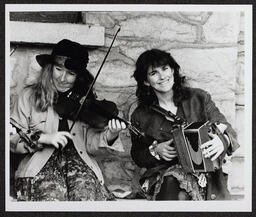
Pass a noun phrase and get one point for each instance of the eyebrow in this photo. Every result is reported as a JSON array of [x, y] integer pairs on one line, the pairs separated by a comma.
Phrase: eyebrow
[[62, 66], [153, 70], [58, 64], [161, 66]]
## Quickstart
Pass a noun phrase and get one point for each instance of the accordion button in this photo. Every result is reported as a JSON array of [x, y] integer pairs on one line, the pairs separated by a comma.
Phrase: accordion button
[[213, 196]]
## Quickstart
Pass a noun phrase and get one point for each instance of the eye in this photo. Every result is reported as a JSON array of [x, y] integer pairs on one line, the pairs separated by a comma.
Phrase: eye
[[58, 68], [165, 67], [152, 73], [72, 73]]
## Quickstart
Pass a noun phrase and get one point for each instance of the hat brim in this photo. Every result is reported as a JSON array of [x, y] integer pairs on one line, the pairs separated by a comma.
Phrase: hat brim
[[44, 59], [88, 76]]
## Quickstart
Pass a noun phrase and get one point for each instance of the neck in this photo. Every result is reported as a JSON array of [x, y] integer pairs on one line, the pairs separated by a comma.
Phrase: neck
[[164, 98], [165, 101]]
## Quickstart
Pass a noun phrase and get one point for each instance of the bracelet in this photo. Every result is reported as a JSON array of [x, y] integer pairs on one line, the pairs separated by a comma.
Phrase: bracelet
[[153, 151], [35, 136]]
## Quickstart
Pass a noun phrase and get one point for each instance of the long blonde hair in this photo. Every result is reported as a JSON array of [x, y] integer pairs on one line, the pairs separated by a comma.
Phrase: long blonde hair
[[44, 91]]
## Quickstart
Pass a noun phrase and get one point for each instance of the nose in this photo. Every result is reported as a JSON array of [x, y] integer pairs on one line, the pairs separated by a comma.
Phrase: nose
[[63, 76], [162, 74]]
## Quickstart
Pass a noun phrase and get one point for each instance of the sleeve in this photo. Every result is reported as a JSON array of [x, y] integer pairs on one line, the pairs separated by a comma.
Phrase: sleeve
[[21, 110], [20, 115], [140, 149], [214, 115], [96, 142]]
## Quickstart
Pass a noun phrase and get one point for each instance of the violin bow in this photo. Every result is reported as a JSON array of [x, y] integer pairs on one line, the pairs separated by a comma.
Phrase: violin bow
[[93, 82]]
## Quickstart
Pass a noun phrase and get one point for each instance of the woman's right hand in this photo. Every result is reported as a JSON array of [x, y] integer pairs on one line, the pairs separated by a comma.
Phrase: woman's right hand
[[166, 151], [58, 139]]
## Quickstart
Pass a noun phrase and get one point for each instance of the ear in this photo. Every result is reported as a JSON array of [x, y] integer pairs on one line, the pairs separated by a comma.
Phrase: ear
[[146, 83]]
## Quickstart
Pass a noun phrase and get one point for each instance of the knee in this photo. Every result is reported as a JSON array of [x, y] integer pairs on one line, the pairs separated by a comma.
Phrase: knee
[[170, 180]]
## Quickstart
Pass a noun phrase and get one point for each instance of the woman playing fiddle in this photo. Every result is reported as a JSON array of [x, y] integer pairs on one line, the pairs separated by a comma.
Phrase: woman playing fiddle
[[59, 163], [159, 83]]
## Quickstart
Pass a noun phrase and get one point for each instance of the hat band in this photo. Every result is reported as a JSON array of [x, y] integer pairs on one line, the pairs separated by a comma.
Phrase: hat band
[[70, 63]]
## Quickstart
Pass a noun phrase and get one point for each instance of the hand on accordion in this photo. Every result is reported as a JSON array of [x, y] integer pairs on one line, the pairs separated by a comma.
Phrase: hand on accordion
[[166, 150], [212, 148]]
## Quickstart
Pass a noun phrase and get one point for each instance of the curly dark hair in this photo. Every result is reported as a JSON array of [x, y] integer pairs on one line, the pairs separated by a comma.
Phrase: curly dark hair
[[156, 58]]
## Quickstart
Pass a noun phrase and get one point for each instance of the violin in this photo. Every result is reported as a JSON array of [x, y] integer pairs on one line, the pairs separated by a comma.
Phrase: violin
[[94, 112]]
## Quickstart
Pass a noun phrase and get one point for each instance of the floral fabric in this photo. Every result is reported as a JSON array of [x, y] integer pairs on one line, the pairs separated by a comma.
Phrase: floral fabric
[[187, 182], [65, 177]]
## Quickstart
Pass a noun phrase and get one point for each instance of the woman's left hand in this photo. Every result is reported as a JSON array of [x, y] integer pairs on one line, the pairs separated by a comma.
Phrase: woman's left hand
[[114, 126], [212, 148]]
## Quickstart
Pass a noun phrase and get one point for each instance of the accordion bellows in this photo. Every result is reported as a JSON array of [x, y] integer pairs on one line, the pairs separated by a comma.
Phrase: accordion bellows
[[187, 141]]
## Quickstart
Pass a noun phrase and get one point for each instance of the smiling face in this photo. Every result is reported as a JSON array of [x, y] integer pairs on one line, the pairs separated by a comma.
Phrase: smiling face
[[63, 78], [160, 78]]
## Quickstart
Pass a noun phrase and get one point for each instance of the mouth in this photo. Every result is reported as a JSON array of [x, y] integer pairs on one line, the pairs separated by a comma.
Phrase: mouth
[[165, 81], [60, 85]]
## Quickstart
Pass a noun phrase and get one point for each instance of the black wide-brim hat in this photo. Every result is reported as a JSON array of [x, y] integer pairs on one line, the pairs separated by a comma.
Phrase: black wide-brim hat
[[76, 57]]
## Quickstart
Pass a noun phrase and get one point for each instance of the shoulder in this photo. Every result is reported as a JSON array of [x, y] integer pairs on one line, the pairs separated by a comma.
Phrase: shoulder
[[197, 93], [24, 100], [139, 112], [25, 95], [21, 108]]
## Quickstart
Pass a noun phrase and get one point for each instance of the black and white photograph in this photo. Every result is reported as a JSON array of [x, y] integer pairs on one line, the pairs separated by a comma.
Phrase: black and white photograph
[[128, 107]]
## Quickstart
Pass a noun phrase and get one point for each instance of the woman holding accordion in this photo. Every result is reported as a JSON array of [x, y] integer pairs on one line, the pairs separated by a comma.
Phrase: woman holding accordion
[[160, 84]]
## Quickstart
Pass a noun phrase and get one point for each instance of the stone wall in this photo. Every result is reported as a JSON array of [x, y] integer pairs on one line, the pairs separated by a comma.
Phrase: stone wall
[[207, 45]]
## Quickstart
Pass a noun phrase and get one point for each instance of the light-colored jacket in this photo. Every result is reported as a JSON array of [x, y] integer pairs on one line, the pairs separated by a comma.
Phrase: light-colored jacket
[[88, 141]]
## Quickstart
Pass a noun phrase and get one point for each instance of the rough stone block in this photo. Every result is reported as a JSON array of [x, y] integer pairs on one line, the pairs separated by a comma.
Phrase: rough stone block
[[212, 70], [237, 176], [146, 24], [211, 67], [241, 134], [222, 27], [116, 71]]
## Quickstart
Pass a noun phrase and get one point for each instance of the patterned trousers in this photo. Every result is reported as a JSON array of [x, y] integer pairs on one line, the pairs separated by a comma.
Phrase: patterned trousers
[[65, 177]]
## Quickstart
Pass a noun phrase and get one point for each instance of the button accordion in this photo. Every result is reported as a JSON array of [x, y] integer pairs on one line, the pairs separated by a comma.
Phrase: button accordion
[[187, 141]]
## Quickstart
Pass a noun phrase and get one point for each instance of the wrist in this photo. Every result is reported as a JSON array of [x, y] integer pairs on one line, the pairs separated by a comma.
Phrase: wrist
[[34, 137], [44, 139]]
